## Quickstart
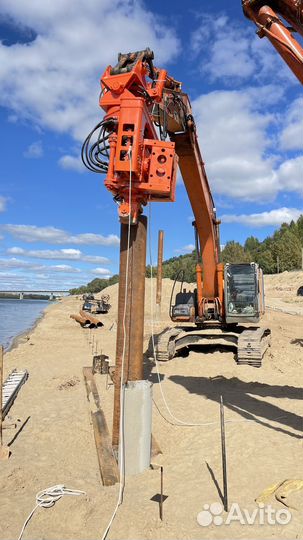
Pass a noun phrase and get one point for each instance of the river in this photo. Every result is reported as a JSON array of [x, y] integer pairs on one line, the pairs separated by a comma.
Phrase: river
[[17, 316]]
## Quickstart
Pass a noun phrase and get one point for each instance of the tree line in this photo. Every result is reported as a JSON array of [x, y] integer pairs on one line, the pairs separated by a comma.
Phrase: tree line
[[277, 253]]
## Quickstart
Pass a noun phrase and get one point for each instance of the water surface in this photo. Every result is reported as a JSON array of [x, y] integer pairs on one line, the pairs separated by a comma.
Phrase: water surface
[[17, 316]]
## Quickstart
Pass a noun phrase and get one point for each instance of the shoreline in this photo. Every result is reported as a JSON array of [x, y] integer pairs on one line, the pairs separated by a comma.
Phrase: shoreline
[[26, 334], [57, 443]]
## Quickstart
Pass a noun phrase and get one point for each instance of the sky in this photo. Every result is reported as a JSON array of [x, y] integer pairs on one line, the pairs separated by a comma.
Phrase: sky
[[59, 226]]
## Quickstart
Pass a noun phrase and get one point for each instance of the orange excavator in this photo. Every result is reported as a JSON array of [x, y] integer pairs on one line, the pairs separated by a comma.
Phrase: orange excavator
[[147, 131], [267, 16]]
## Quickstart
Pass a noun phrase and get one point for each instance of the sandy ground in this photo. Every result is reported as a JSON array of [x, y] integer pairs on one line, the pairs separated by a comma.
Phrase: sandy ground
[[281, 292], [56, 444]]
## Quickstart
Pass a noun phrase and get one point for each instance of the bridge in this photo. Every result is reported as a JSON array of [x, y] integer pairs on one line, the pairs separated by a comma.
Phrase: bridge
[[51, 294]]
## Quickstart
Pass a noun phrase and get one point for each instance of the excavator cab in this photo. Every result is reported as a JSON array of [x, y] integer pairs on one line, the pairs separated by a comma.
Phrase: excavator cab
[[243, 293], [185, 308]]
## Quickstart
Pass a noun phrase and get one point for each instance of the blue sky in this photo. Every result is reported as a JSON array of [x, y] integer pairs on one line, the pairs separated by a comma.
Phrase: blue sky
[[59, 226]]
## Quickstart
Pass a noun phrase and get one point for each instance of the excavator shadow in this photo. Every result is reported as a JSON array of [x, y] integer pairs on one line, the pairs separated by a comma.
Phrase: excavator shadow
[[208, 349], [242, 397]]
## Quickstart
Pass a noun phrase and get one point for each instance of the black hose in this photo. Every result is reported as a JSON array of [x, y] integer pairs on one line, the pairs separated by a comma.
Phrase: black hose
[[95, 155], [181, 271]]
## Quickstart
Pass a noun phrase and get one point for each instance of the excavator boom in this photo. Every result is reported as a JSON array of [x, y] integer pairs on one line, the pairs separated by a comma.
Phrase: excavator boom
[[137, 97], [267, 17], [144, 107]]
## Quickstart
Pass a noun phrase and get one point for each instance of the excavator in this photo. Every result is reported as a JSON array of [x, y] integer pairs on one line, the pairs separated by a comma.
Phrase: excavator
[[147, 132], [267, 17]]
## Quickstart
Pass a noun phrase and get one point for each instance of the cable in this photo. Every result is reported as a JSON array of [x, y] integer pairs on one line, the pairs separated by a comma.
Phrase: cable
[[181, 271], [122, 386], [95, 155], [47, 498], [175, 421]]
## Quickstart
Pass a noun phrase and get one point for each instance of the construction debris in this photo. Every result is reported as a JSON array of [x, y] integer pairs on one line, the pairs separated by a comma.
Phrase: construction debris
[[101, 364], [96, 306], [107, 463], [86, 320], [92, 319], [4, 450], [281, 490], [11, 388]]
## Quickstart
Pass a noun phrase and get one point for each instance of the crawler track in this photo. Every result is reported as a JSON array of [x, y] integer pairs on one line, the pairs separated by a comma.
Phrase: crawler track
[[250, 343]]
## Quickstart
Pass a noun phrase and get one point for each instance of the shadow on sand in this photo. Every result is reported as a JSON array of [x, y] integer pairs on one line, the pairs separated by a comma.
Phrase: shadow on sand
[[240, 396]]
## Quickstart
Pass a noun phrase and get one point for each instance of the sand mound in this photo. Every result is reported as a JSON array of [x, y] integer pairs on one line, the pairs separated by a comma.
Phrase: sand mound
[[286, 281], [150, 293]]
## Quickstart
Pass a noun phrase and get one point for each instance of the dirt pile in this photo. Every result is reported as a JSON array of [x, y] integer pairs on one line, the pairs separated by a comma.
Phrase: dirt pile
[[281, 292]]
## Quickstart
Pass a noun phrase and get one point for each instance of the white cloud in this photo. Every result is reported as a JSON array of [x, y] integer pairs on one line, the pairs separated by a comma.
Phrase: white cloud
[[40, 281], [73, 163], [35, 150], [16, 251], [52, 235], [291, 136], [53, 80], [227, 53], [290, 175], [17, 263], [3, 201], [26, 265], [59, 254], [4, 276], [265, 219], [240, 156], [101, 272], [230, 52], [63, 268], [185, 249]]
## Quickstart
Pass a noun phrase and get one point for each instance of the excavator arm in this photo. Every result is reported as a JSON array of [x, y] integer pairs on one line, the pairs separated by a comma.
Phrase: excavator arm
[[206, 224], [143, 105], [266, 16], [147, 131]]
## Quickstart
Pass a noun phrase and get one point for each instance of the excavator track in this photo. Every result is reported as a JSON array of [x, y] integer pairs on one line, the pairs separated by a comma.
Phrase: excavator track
[[250, 343], [165, 344]]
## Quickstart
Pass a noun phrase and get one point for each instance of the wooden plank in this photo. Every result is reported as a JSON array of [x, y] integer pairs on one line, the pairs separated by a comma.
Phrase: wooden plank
[[1, 384], [107, 463]]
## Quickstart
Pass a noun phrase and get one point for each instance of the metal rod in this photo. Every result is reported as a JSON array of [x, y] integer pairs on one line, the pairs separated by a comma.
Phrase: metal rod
[[130, 324], [223, 448], [161, 494], [1, 385], [159, 268]]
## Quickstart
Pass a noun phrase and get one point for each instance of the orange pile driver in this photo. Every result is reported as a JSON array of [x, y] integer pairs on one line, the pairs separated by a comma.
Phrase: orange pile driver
[[147, 131]]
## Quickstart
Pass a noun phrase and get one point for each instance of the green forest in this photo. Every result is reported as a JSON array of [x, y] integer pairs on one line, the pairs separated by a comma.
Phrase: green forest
[[277, 253]]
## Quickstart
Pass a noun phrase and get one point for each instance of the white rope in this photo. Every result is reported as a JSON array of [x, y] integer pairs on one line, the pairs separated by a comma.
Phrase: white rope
[[121, 450], [48, 497], [175, 421]]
